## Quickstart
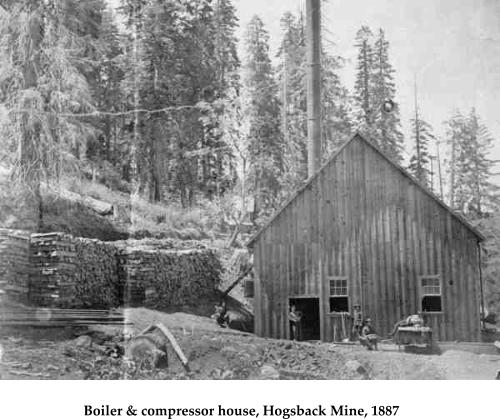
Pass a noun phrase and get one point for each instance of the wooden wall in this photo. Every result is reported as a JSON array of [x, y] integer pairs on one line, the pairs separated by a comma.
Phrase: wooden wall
[[363, 219]]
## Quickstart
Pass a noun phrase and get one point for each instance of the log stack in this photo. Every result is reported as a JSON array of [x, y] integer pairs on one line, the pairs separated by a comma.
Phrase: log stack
[[161, 278], [97, 282], [14, 264], [59, 271], [52, 282], [73, 272]]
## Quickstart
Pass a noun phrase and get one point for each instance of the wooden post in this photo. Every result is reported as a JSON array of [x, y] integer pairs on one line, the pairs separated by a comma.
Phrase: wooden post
[[313, 36]]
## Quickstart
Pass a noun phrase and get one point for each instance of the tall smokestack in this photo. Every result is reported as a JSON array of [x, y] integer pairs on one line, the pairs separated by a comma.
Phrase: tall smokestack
[[313, 35]]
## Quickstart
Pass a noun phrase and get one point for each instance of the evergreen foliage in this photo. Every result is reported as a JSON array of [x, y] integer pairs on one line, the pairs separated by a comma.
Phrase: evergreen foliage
[[469, 167], [420, 161], [336, 124], [376, 109], [265, 145]]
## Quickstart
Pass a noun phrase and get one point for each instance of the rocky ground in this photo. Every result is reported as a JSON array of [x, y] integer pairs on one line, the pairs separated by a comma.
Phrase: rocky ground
[[215, 353]]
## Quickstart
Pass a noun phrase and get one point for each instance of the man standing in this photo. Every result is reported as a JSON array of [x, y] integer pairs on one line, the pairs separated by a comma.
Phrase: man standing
[[295, 318]]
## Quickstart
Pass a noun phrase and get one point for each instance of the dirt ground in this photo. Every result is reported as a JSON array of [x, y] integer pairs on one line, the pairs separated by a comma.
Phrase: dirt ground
[[216, 353]]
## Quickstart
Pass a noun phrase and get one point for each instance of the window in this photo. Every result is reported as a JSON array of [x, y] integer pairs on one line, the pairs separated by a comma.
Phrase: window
[[338, 287], [339, 296], [430, 290]]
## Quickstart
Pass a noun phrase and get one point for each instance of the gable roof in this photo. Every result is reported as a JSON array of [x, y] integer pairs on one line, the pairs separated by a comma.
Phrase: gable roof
[[333, 157]]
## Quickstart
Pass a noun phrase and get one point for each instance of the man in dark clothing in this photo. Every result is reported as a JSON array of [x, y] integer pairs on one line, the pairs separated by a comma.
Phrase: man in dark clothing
[[295, 318], [221, 316], [368, 336]]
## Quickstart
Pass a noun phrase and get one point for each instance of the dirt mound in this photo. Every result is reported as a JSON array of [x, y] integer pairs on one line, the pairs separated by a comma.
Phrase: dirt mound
[[216, 353]]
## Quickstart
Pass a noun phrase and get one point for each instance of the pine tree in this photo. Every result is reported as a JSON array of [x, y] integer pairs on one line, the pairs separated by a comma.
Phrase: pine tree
[[42, 87], [105, 82], [456, 165], [386, 120], [335, 119], [337, 126], [420, 161], [218, 163], [264, 137], [363, 87], [376, 110], [423, 136], [291, 73], [188, 63], [484, 194], [469, 168]]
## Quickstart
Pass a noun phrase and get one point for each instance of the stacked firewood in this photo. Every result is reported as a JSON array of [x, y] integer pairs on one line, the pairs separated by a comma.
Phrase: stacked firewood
[[76, 273], [14, 264], [73, 272], [52, 282], [97, 282], [158, 279]]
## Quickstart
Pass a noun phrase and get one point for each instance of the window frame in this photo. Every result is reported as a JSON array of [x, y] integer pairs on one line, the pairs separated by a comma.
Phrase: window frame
[[430, 292], [334, 292]]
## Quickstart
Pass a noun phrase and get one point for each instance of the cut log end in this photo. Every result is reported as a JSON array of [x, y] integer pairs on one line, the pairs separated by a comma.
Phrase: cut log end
[[148, 349]]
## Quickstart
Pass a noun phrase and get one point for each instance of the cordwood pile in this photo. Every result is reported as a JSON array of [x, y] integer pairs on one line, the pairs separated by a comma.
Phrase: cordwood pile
[[97, 282], [61, 271], [71, 272], [14, 264], [52, 280], [161, 278]]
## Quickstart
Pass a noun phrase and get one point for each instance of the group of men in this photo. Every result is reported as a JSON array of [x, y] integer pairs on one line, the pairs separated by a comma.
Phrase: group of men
[[362, 328]]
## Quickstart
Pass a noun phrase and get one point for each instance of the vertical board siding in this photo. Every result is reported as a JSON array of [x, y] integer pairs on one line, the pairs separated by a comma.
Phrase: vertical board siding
[[363, 219]]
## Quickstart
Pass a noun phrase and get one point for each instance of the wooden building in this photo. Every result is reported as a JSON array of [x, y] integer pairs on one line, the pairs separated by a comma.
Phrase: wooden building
[[362, 231]]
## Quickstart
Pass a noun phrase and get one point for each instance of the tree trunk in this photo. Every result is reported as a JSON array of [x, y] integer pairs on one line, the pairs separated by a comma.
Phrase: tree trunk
[[29, 160]]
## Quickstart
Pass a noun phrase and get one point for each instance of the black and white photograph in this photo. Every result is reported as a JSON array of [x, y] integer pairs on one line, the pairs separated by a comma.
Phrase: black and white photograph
[[249, 190]]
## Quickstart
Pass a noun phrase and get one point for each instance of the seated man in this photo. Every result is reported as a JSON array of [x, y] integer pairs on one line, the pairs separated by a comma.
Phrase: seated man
[[221, 315], [368, 336]]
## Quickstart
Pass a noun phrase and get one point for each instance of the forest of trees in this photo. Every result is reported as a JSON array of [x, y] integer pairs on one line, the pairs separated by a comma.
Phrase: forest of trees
[[154, 99]]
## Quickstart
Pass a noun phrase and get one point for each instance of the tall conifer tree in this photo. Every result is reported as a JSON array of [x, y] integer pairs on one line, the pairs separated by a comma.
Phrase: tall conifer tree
[[385, 109], [262, 109]]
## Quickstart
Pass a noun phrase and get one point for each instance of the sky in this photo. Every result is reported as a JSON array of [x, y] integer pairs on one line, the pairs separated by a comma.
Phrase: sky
[[452, 47]]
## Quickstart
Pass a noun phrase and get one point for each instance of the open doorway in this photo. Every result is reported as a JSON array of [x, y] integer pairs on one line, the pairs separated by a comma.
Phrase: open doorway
[[309, 307]]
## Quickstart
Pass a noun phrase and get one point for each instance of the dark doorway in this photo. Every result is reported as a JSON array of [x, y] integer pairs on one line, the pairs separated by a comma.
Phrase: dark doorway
[[309, 307]]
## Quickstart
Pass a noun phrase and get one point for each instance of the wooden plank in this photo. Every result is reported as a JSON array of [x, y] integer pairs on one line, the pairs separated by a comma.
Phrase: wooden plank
[[367, 253], [415, 238], [401, 260], [382, 294], [289, 273], [464, 292], [357, 187], [390, 224], [281, 295], [177, 349], [371, 292], [440, 269], [258, 315], [450, 265]]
